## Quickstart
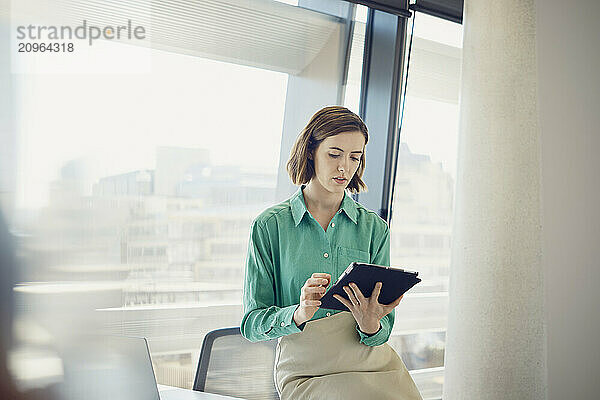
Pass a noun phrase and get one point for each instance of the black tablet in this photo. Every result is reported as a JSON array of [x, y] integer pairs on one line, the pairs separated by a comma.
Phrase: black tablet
[[395, 282]]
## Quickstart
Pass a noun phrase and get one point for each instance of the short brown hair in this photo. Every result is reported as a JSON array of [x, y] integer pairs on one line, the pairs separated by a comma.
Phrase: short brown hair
[[326, 122]]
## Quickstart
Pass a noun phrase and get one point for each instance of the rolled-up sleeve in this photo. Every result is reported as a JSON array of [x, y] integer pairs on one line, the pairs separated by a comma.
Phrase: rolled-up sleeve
[[262, 320], [381, 257]]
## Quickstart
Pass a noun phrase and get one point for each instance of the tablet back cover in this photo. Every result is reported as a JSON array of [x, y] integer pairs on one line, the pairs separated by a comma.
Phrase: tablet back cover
[[395, 283]]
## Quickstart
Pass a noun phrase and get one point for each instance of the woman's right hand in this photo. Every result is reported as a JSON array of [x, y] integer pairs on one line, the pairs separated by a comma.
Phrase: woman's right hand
[[310, 295]]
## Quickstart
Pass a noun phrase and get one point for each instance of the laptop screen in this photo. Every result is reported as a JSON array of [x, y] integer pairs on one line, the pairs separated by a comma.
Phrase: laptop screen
[[109, 368]]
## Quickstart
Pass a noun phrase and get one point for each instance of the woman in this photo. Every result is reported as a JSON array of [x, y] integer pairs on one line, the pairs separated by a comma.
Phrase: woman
[[295, 249]]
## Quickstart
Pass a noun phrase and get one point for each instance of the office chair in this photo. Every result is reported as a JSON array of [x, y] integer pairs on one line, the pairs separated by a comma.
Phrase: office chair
[[231, 365]]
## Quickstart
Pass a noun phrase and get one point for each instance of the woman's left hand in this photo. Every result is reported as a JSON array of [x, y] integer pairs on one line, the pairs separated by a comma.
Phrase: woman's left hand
[[367, 311]]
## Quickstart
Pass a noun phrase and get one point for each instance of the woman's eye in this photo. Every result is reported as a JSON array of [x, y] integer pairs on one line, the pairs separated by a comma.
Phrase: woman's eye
[[337, 155]]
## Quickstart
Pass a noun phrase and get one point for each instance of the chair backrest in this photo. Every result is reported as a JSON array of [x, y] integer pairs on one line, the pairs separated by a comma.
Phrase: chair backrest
[[233, 366]]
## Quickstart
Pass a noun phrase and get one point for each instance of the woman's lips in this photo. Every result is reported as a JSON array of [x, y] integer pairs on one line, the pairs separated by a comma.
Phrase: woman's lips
[[339, 180]]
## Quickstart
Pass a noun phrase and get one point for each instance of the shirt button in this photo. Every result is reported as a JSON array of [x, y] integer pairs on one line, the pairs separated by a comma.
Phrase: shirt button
[[333, 224], [328, 314], [283, 324], [325, 255]]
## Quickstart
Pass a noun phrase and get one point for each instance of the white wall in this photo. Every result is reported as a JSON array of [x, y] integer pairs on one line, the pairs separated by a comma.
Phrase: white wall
[[568, 40]]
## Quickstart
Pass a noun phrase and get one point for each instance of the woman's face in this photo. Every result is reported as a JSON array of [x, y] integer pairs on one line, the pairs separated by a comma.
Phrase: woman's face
[[338, 157]]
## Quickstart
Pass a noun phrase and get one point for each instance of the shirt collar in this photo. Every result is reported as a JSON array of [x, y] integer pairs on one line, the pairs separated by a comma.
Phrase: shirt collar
[[298, 206]]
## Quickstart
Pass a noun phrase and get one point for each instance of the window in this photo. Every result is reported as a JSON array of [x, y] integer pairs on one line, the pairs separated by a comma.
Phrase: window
[[421, 223], [357, 47], [135, 192]]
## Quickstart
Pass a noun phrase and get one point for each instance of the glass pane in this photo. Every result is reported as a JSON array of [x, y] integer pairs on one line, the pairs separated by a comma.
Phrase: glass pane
[[353, 82], [421, 224], [137, 220], [135, 192]]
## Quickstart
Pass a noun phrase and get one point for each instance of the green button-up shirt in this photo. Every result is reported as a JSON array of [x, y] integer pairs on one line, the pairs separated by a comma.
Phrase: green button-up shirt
[[287, 245]]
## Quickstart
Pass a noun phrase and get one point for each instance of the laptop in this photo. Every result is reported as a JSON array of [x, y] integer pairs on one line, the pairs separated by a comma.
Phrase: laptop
[[116, 368]]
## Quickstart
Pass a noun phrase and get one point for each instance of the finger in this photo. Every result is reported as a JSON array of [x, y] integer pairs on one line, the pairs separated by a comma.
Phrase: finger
[[314, 289], [322, 275], [357, 293], [376, 291], [310, 303], [395, 302], [317, 282], [343, 301], [351, 295]]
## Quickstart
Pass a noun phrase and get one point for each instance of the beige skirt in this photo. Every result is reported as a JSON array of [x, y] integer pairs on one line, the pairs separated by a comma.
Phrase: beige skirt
[[327, 361]]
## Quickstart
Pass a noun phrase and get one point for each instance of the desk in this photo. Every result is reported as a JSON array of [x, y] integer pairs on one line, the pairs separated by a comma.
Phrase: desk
[[175, 393]]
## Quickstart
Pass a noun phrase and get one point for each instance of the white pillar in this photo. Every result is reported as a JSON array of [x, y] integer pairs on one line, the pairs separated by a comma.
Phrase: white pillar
[[495, 338]]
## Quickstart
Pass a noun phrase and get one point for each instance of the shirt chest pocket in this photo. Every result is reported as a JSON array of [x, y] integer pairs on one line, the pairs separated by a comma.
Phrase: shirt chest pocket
[[348, 255]]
